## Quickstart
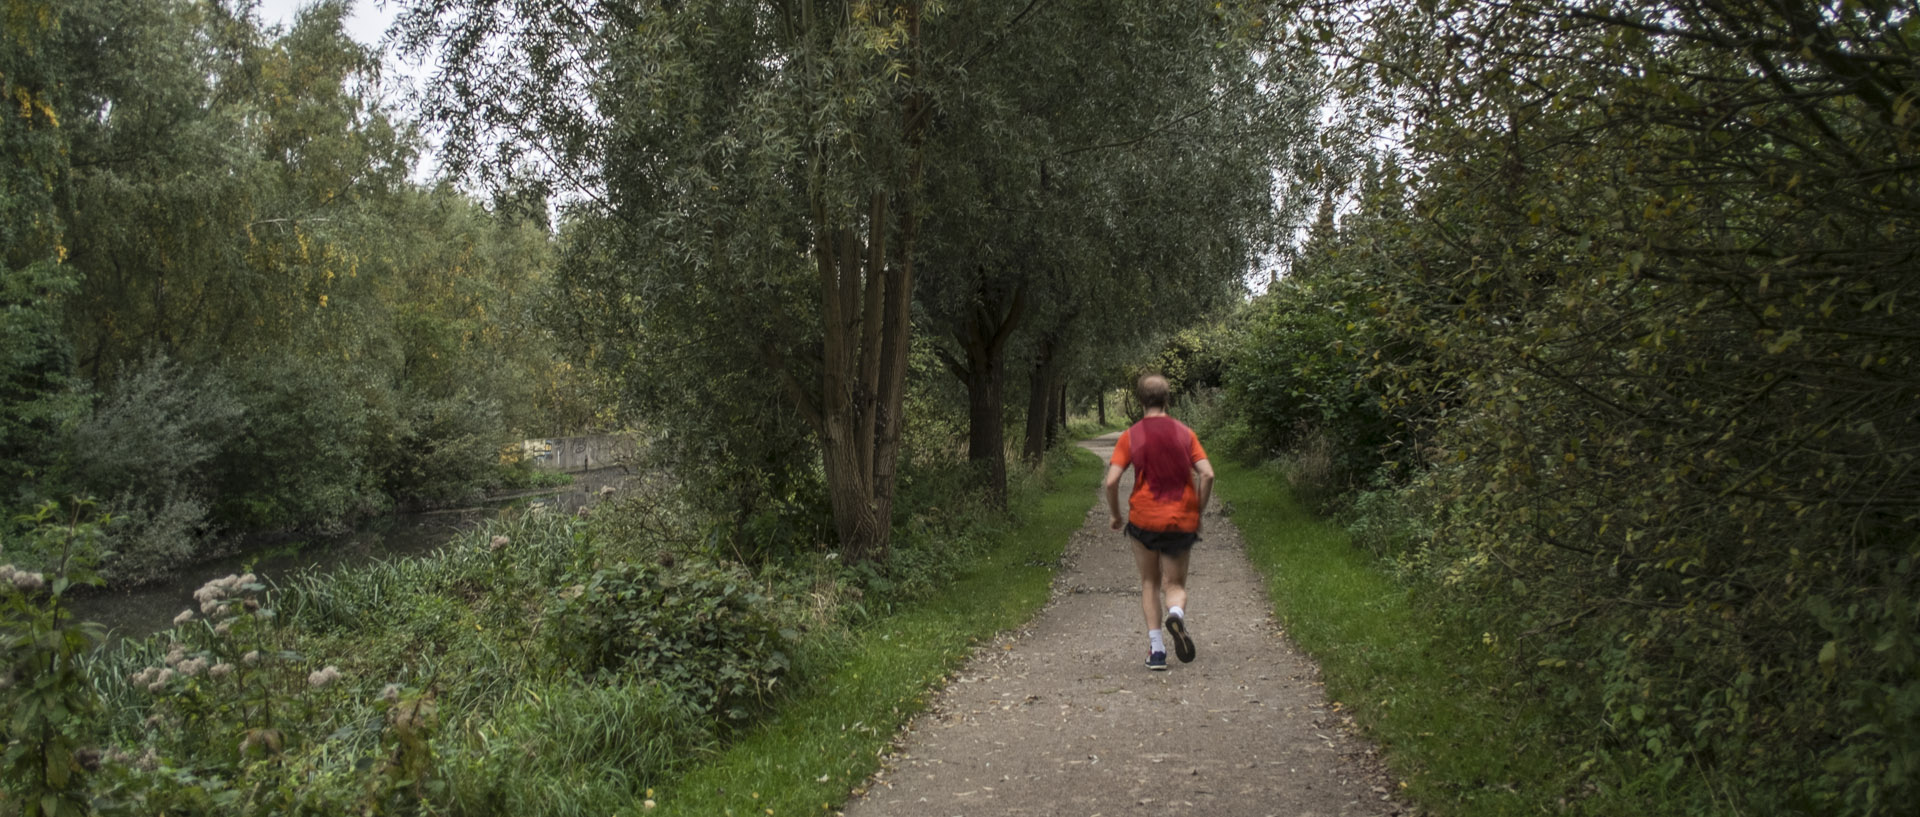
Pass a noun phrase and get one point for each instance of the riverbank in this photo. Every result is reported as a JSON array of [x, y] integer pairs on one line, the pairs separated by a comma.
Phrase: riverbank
[[552, 663], [144, 609]]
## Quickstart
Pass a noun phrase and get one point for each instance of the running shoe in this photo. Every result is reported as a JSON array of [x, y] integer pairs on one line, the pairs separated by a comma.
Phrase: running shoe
[[1156, 661], [1176, 627]]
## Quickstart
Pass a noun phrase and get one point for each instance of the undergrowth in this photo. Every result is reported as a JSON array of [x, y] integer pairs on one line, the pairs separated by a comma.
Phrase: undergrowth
[[545, 664], [1468, 732]]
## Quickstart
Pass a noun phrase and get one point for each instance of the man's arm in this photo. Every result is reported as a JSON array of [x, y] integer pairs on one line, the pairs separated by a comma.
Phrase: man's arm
[[1204, 484], [1112, 487]]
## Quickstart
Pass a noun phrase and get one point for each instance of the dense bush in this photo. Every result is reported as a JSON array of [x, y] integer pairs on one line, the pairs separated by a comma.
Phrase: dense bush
[[1659, 406], [149, 448], [702, 630]]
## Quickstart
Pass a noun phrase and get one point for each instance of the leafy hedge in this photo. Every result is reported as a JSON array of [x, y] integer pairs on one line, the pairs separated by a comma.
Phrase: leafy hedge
[[1634, 318]]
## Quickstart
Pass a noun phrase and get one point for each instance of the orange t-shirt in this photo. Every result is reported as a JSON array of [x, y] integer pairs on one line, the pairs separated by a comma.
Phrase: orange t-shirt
[[1143, 510]]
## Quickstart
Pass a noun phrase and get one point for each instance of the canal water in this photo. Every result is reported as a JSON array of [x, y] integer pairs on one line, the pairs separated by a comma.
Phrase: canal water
[[141, 611]]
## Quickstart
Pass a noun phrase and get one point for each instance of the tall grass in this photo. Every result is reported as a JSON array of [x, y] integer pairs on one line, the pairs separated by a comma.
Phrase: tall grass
[[519, 731]]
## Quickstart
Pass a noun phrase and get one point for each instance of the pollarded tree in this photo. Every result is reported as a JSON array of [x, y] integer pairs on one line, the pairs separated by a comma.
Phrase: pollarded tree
[[737, 156]]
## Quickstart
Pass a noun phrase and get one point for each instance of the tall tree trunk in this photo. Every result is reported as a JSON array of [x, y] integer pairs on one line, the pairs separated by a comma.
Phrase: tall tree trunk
[[866, 294], [1040, 398], [1057, 414], [1102, 403], [984, 339]]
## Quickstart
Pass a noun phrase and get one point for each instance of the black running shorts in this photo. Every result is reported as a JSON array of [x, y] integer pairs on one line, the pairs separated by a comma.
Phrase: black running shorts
[[1169, 542]]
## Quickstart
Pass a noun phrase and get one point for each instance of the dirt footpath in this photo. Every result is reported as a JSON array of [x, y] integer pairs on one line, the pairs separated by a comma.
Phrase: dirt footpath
[[1063, 718]]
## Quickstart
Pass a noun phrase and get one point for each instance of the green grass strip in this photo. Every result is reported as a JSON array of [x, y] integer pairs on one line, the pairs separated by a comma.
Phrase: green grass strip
[[1439, 700], [827, 741]]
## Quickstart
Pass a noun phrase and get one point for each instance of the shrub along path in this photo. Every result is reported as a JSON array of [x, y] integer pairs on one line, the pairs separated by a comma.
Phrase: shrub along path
[[1063, 718]]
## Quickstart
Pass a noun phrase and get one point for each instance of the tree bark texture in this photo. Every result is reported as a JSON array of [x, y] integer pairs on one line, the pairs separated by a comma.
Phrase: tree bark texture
[[984, 339], [1040, 398], [866, 293]]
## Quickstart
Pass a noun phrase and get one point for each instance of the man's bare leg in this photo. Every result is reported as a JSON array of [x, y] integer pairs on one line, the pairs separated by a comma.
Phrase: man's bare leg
[[1173, 579], [1173, 572], [1150, 564]]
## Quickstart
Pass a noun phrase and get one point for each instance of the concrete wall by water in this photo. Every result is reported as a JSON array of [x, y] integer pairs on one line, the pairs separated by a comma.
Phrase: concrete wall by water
[[586, 453]]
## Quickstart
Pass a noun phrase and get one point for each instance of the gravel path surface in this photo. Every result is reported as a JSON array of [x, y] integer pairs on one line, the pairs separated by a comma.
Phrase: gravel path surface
[[1063, 718]]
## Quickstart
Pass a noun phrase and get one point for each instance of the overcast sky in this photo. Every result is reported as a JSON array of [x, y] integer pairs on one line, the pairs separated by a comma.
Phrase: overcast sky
[[368, 23]]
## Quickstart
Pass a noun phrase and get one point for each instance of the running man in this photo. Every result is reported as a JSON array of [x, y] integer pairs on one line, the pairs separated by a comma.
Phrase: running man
[[1171, 483]]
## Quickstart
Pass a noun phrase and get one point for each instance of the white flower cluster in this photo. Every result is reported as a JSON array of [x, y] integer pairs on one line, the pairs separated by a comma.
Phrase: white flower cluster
[[177, 664], [153, 679], [22, 580], [323, 676], [146, 761], [217, 597]]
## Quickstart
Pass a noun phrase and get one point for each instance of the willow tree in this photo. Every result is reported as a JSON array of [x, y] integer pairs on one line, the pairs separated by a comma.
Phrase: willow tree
[[729, 162], [1111, 172], [36, 362]]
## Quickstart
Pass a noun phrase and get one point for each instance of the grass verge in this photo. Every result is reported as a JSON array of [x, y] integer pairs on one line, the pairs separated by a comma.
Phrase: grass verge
[[826, 740], [1452, 721]]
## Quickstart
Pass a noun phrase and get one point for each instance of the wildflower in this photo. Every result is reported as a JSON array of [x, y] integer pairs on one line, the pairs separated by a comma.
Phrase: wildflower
[[246, 579], [23, 581], [497, 543], [6, 574], [148, 761], [607, 490], [582, 512], [143, 677], [220, 670], [184, 617], [176, 655], [192, 667], [223, 627], [391, 693], [323, 676], [160, 681], [252, 657]]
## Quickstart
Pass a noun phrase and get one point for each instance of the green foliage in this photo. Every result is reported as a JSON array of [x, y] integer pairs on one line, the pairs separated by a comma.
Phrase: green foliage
[[1302, 376], [47, 762], [301, 462], [148, 448], [428, 685], [1633, 312], [864, 684], [702, 630], [39, 400], [568, 749], [186, 185]]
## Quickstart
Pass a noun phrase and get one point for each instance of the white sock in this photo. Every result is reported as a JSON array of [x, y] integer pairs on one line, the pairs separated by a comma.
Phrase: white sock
[[1176, 611], [1153, 637]]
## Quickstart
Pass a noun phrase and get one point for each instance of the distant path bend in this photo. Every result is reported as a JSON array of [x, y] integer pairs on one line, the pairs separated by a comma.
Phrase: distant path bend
[[1063, 718]]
